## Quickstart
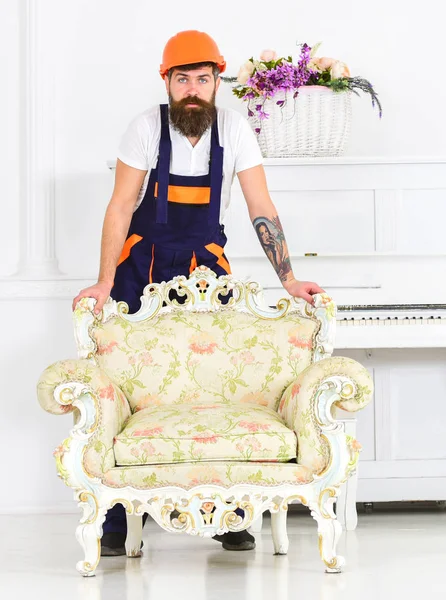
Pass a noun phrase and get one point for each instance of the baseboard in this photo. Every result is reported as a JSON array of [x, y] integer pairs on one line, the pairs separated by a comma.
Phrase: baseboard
[[59, 509], [410, 489]]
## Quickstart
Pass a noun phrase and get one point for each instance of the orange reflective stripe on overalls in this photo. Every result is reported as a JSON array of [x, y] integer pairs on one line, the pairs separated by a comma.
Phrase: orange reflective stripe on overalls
[[186, 194], [151, 264], [129, 243], [193, 263], [219, 252]]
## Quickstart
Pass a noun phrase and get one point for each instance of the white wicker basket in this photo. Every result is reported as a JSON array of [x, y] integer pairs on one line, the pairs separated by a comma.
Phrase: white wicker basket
[[315, 123]]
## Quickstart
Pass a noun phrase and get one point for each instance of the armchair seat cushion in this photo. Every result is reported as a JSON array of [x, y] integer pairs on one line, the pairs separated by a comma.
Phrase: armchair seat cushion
[[175, 433]]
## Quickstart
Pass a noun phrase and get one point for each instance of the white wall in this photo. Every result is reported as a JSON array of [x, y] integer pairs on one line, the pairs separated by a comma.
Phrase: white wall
[[9, 136], [83, 69]]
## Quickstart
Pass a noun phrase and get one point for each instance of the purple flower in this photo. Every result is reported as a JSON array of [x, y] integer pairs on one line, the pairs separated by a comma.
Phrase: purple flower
[[285, 76]]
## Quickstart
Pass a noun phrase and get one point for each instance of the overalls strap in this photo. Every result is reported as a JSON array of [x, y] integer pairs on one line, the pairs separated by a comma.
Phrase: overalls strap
[[165, 150]]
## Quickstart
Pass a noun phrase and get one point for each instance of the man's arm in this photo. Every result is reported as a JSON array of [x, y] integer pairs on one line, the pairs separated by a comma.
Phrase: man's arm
[[128, 182], [269, 230]]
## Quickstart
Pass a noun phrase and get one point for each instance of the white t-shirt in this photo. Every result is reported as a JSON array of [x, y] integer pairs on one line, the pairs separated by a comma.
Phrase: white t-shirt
[[139, 149]]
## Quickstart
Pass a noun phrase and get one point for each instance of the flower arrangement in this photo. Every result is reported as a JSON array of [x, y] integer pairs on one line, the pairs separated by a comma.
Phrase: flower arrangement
[[261, 80]]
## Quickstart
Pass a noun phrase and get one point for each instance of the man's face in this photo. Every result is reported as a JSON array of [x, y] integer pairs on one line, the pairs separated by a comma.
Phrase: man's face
[[192, 100], [264, 235], [196, 84]]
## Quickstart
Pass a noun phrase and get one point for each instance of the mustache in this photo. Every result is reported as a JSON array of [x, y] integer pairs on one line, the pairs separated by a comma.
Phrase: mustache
[[192, 100]]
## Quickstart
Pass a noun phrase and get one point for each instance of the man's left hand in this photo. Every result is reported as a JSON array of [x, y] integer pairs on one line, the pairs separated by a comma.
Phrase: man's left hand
[[303, 289]]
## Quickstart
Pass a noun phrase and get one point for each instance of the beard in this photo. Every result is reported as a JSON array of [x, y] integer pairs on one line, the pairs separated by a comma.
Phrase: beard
[[192, 122]]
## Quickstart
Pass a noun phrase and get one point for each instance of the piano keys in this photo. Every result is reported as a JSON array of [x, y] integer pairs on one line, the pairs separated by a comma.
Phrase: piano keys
[[391, 326]]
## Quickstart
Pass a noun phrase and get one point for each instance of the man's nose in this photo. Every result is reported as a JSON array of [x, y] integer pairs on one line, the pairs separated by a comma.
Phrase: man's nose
[[192, 90]]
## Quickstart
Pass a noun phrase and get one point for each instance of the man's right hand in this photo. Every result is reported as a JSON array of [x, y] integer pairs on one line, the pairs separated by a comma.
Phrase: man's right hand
[[100, 291]]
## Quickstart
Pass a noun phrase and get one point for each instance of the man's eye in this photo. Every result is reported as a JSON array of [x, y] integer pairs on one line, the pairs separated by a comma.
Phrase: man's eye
[[203, 80], [182, 79]]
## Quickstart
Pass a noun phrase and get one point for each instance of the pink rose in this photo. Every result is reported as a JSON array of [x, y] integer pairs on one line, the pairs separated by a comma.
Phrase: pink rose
[[245, 72], [107, 393], [295, 389], [148, 448], [339, 69], [282, 404], [268, 55], [355, 446], [205, 438], [247, 357], [154, 431], [253, 427], [326, 63], [106, 348], [146, 358]]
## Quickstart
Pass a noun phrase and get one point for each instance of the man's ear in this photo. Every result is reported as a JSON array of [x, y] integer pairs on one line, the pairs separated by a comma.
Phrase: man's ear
[[166, 83], [217, 84]]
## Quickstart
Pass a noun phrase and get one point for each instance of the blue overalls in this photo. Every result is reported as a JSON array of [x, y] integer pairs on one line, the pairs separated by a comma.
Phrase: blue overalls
[[175, 229]]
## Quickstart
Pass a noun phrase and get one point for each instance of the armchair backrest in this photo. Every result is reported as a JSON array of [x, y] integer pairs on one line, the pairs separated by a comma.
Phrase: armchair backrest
[[204, 350]]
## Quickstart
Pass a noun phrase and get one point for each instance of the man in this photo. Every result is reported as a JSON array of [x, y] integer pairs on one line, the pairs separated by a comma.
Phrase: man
[[174, 172]]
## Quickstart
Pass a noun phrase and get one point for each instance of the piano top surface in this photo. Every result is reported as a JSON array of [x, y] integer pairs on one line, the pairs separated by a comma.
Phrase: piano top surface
[[390, 307]]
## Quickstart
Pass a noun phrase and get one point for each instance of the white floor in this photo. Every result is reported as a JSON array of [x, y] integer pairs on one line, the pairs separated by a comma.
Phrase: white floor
[[390, 556]]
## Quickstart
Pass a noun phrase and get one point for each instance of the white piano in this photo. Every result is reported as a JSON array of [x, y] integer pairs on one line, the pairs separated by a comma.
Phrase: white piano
[[371, 232], [391, 326]]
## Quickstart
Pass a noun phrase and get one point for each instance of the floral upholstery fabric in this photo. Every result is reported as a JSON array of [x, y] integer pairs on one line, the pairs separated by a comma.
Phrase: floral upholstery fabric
[[298, 410], [225, 474], [185, 357], [176, 433], [111, 407]]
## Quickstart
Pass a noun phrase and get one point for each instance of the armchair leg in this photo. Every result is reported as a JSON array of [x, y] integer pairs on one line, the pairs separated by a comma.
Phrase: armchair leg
[[89, 533], [346, 502], [279, 533], [329, 530], [134, 536]]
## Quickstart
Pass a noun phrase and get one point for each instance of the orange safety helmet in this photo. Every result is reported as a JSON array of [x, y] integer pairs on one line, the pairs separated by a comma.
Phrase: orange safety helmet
[[189, 47]]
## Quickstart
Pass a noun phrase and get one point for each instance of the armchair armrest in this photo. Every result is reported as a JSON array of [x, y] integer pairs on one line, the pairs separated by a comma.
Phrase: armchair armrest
[[307, 407], [101, 410]]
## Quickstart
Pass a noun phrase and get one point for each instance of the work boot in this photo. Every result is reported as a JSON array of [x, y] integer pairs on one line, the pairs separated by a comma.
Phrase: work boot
[[113, 544], [236, 540]]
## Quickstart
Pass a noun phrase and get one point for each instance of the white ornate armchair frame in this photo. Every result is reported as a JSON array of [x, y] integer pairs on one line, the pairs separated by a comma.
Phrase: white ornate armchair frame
[[208, 509]]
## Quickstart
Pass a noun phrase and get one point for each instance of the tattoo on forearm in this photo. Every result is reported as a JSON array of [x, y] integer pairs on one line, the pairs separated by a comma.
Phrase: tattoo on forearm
[[272, 240]]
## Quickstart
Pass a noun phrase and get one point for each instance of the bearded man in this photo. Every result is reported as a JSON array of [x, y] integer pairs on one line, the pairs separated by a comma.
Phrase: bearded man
[[176, 164]]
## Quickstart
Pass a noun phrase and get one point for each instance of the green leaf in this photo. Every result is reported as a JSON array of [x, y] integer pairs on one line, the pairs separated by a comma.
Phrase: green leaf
[[151, 479], [129, 387], [256, 477], [314, 49], [251, 342], [232, 387], [241, 382]]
